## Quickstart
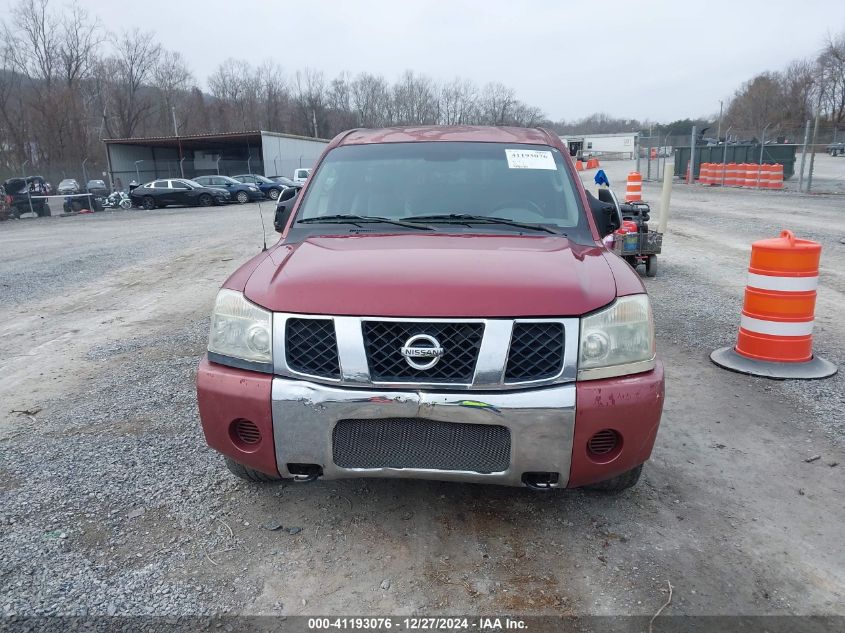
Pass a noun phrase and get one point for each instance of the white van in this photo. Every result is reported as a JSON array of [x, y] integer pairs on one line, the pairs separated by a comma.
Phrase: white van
[[301, 175]]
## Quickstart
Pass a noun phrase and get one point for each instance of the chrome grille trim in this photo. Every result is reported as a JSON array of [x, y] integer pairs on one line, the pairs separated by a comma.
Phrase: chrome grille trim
[[490, 366]]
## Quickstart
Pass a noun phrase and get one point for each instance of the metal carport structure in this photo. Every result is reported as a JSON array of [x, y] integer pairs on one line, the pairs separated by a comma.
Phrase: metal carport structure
[[257, 152]]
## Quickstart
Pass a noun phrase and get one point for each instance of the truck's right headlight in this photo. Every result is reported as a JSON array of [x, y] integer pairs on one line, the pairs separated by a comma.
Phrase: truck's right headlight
[[618, 340], [241, 333]]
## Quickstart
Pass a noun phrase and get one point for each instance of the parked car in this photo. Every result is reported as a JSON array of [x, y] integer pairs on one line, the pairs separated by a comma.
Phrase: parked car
[[282, 180], [242, 192], [836, 149], [26, 194], [181, 191], [67, 186], [268, 187], [98, 188], [5, 209], [301, 175], [437, 308]]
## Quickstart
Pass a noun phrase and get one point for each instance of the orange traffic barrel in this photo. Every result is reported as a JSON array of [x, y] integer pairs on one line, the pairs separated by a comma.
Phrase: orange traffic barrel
[[776, 176], [704, 176], [752, 172], [634, 187], [718, 173], [730, 174], [579, 165], [776, 326], [592, 163]]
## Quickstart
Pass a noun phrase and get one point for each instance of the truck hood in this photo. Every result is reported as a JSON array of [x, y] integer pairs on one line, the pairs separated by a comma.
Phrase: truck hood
[[433, 276]]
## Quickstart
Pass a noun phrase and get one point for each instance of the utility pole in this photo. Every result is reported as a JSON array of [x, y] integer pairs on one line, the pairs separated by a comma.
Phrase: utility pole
[[691, 175], [813, 153], [762, 146], [804, 156], [719, 132], [314, 121], [178, 140]]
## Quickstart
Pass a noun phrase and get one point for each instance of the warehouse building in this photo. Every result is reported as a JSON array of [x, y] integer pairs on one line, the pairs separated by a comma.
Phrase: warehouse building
[[621, 145], [258, 152]]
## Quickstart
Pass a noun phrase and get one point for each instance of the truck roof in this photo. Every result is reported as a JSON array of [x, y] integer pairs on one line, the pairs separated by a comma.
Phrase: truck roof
[[476, 133]]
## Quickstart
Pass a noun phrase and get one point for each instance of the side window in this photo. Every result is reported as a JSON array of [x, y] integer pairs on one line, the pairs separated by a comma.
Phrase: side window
[[175, 184], [159, 184]]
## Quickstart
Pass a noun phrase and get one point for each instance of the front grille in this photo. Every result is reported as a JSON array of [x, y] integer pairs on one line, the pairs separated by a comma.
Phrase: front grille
[[420, 443], [311, 347], [536, 352], [383, 341]]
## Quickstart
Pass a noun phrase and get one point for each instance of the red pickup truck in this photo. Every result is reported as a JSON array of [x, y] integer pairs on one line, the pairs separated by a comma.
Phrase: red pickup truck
[[441, 306]]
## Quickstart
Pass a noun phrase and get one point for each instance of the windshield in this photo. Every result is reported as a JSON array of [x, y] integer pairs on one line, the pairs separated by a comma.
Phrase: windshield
[[262, 179], [192, 183], [523, 183]]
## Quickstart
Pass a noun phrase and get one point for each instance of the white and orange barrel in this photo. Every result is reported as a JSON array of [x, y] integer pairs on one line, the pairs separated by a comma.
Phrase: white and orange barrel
[[752, 172], [780, 300], [718, 173], [776, 176], [776, 326], [730, 175], [704, 174], [634, 187]]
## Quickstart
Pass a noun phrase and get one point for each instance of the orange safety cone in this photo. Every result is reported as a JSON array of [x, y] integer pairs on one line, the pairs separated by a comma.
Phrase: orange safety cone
[[634, 187], [776, 327], [579, 165]]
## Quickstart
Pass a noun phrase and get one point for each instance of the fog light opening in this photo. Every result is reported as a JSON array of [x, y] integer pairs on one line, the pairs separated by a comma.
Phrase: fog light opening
[[245, 434], [303, 473], [604, 445]]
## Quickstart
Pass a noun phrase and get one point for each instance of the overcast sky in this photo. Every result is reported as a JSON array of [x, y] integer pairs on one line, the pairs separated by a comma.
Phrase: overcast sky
[[645, 59]]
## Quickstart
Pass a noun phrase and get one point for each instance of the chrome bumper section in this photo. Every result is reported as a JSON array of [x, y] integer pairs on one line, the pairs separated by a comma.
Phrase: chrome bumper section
[[541, 423]]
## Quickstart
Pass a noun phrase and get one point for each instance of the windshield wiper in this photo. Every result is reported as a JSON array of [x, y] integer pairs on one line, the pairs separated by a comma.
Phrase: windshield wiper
[[466, 218], [349, 218]]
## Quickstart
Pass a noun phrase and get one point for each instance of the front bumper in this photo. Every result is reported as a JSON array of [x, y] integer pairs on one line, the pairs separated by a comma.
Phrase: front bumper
[[549, 427], [541, 424]]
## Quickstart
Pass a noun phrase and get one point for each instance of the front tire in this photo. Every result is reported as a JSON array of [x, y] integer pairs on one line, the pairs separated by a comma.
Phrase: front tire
[[618, 483], [242, 197], [205, 200], [126, 205], [248, 474], [273, 194]]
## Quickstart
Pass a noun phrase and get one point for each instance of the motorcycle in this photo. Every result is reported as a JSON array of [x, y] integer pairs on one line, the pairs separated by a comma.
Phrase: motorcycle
[[118, 200]]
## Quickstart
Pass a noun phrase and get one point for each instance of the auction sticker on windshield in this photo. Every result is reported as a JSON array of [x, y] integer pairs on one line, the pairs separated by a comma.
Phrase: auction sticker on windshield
[[530, 159]]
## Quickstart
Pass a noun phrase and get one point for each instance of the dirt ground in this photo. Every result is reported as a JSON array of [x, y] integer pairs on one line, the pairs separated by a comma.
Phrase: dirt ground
[[111, 503]]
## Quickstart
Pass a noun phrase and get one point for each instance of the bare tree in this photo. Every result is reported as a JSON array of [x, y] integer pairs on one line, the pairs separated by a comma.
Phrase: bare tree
[[370, 100], [128, 100]]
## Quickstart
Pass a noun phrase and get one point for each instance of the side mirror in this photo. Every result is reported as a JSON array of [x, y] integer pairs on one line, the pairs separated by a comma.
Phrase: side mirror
[[287, 199], [605, 214]]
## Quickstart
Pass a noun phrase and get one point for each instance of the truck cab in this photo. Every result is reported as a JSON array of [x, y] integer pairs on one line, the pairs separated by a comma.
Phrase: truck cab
[[440, 305]]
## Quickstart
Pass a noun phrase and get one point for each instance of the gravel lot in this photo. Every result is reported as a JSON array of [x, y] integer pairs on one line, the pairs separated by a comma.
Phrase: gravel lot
[[110, 502]]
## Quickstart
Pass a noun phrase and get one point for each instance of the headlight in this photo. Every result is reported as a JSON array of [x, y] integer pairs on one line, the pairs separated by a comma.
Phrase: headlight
[[618, 340], [241, 331]]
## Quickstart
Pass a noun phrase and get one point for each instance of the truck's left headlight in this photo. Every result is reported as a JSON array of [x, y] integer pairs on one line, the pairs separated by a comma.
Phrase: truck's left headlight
[[618, 340], [240, 331]]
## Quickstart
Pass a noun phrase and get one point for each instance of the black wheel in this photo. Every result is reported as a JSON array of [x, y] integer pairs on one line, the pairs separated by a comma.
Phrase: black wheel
[[149, 203], [651, 266], [618, 483], [248, 474], [242, 197], [273, 194], [205, 200]]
